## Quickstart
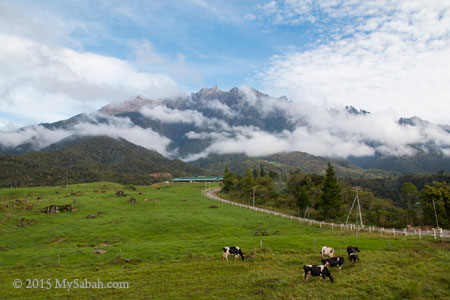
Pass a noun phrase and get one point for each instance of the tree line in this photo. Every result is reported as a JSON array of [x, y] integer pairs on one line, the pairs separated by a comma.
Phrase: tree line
[[324, 197]]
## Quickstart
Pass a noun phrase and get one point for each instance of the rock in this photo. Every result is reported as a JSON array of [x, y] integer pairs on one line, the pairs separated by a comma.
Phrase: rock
[[99, 251]]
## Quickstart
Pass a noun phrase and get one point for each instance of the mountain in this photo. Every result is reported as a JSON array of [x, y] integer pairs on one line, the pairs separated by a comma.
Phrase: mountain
[[244, 122], [89, 159]]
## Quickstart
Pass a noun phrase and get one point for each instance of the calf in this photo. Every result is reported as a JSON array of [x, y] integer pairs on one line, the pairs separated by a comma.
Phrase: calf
[[317, 270], [326, 251], [334, 262], [236, 251], [351, 249], [353, 258]]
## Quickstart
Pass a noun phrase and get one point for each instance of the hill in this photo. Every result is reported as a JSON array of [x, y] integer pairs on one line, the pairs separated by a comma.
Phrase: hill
[[170, 247], [284, 163], [89, 159]]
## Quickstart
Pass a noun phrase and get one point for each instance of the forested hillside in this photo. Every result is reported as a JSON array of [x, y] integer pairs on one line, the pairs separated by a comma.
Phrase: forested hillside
[[89, 160]]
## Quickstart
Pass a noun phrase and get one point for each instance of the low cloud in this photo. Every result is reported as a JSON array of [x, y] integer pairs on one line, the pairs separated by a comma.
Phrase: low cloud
[[41, 137]]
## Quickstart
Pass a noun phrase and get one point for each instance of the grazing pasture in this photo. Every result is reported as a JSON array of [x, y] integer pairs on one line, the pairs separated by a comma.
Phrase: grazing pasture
[[168, 244]]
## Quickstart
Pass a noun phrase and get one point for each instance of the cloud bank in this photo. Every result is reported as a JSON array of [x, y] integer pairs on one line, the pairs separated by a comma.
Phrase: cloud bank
[[379, 55]]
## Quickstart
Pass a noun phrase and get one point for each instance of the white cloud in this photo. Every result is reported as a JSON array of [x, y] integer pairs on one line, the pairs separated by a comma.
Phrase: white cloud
[[38, 136], [170, 115], [49, 83], [146, 138], [382, 55], [41, 137]]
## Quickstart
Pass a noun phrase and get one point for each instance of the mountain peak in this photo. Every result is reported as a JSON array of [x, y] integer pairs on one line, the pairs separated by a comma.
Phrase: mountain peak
[[130, 105]]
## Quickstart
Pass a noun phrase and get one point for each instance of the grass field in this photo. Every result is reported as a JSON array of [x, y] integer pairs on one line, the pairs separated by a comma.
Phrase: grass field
[[170, 247]]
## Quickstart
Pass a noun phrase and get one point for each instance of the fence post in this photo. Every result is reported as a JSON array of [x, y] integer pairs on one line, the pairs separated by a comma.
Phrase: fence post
[[434, 232], [420, 234], [331, 225], [393, 230], [320, 224], [406, 232], [260, 243]]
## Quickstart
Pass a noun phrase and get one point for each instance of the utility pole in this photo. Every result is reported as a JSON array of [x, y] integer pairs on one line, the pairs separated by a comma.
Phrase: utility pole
[[359, 208], [435, 214], [254, 196]]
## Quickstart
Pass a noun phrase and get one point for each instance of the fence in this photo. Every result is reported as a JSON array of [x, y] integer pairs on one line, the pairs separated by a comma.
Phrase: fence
[[436, 233]]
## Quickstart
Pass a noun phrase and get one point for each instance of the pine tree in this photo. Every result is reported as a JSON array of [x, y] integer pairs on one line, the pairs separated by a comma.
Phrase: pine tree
[[262, 173], [248, 183], [330, 201], [227, 181]]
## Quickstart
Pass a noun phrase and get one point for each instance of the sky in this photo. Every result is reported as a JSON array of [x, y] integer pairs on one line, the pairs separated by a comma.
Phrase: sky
[[62, 58]]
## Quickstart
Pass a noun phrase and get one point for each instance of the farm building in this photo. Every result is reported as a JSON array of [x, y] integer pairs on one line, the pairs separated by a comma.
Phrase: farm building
[[198, 179]]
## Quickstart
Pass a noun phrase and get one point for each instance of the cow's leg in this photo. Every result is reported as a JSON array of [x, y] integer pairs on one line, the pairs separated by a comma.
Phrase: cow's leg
[[306, 276]]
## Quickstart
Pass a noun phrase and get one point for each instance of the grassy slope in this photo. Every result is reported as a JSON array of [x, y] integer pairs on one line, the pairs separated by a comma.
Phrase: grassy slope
[[175, 241]]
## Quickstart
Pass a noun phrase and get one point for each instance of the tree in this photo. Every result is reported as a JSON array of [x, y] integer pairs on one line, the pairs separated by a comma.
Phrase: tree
[[255, 173], [302, 198], [248, 182], [262, 173], [274, 175], [439, 192], [409, 197], [330, 201], [227, 181]]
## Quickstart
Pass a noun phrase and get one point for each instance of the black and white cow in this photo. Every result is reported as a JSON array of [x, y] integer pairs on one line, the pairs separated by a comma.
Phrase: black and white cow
[[351, 249], [327, 251], [236, 251], [317, 270], [353, 257], [334, 262]]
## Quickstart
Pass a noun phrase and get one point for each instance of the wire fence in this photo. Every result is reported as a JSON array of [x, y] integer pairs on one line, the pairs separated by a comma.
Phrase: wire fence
[[440, 233]]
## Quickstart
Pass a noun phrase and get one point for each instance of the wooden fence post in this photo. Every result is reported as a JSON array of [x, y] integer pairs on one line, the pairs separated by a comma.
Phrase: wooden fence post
[[420, 234]]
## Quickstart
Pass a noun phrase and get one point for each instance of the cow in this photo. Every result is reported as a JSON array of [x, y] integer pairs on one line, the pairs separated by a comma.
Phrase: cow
[[334, 262], [317, 270], [351, 249], [236, 251], [353, 257], [326, 251]]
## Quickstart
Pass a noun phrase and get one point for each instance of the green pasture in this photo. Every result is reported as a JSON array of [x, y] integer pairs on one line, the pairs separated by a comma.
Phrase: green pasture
[[169, 246]]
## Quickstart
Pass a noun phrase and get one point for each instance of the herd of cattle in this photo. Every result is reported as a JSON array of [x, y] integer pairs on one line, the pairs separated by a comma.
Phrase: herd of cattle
[[328, 260]]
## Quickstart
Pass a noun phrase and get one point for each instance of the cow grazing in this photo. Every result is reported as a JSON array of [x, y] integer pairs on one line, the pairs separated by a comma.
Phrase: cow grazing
[[334, 262], [326, 251], [317, 270], [351, 249], [236, 251], [353, 257]]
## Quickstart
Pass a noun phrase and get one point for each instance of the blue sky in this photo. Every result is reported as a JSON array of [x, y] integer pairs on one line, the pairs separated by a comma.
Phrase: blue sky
[[62, 58]]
